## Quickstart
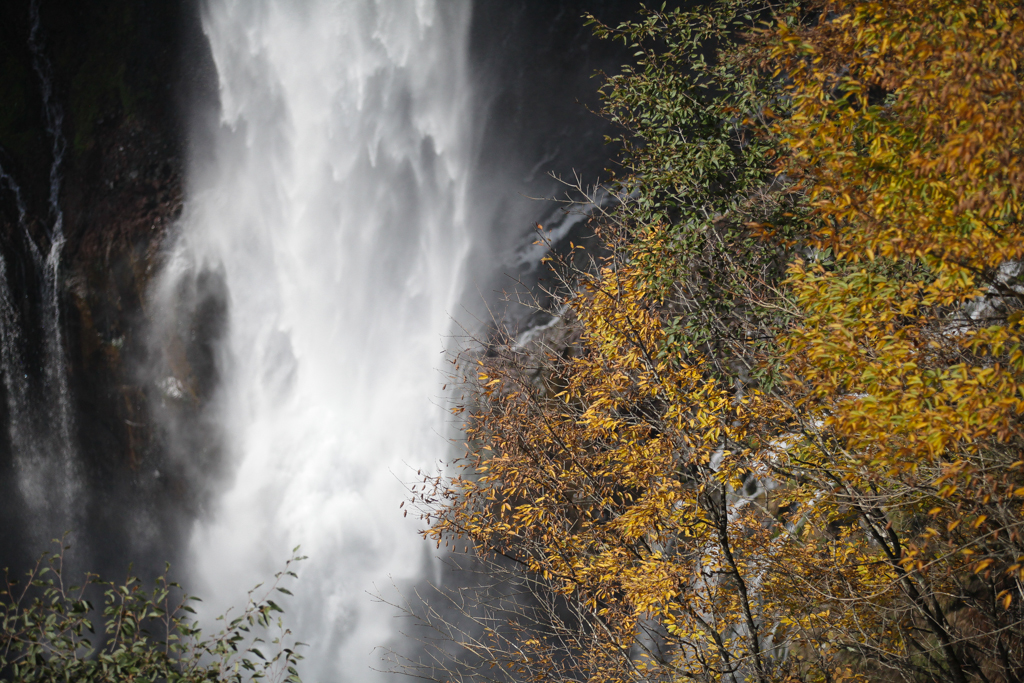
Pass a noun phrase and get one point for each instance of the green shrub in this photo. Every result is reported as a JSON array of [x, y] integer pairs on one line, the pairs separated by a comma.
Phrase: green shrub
[[51, 631]]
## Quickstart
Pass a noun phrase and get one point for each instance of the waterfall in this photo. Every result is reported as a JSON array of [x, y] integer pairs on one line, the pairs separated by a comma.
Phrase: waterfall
[[56, 366], [334, 207], [44, 453], [12, 362]]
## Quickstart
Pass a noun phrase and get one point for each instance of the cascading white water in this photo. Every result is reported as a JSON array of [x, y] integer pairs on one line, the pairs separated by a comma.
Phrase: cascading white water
[[335, 206]]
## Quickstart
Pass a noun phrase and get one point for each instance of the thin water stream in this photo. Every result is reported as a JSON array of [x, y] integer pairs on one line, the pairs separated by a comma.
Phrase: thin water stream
[[39, 405]]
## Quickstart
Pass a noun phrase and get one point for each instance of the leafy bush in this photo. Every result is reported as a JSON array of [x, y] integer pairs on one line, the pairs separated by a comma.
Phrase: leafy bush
[[51, 631]]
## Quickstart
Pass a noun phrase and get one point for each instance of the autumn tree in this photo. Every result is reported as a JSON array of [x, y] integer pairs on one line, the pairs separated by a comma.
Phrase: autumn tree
[[906, 131], [779, 437]]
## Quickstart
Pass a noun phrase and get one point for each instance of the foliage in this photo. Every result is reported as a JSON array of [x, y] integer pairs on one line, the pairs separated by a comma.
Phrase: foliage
[[907, 134], [616, 491], [50, 631], [699, 170], [779, 436]]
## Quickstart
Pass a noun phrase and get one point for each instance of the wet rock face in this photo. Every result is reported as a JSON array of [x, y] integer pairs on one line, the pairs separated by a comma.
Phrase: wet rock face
[[116, 78], [110, 61], [119, 215]]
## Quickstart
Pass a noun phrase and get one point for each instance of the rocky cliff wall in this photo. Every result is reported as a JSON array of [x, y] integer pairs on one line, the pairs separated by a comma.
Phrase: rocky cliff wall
[[120, 72]]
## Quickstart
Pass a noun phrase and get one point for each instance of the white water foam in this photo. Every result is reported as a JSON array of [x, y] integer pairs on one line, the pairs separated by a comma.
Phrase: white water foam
[[335, 207]]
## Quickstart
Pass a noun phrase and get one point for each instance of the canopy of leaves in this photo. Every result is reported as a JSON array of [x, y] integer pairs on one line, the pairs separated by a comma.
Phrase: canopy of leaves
[[784, 440]]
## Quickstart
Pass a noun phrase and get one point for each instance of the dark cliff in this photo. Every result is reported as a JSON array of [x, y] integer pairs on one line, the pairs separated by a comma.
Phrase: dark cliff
[[117, 78]]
